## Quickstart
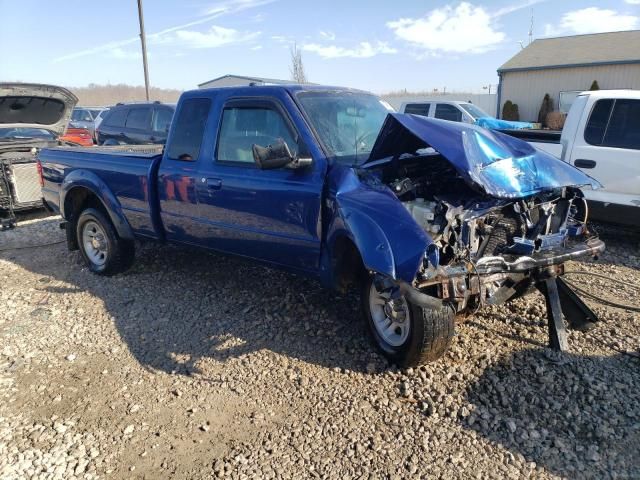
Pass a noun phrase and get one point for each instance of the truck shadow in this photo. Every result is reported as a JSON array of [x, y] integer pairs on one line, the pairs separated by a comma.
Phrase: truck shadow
[[569, 414], [179, 309]]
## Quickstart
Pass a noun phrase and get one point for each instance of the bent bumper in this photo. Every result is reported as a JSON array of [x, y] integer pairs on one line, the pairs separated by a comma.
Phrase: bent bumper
[[534, 264], [488, 265]]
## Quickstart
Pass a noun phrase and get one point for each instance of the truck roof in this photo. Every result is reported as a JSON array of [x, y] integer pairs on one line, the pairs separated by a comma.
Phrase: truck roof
[[620, 93], [266, 89]]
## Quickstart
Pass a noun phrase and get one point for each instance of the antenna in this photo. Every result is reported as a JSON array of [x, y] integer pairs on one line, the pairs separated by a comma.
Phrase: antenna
[[531, 28]]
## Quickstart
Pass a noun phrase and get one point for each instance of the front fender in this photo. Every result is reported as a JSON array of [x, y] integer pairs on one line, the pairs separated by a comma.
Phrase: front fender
[[390, 242], [90, 181]]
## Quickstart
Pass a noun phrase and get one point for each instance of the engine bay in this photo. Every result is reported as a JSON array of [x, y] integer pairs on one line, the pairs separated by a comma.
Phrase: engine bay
[[467, 225]]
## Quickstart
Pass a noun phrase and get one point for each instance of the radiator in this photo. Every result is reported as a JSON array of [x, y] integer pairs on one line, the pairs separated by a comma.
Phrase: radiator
[[26, 183]]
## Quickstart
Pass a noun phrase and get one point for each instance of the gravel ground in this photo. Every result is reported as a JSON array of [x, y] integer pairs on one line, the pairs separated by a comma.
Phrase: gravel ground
[[194, 365]]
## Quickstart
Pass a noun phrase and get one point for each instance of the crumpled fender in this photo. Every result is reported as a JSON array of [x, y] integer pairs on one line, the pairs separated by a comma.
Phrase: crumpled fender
[[93, 183], [390, 242]]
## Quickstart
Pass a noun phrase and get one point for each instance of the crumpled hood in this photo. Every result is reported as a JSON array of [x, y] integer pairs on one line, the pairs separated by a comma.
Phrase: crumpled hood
[[501, 165], [31, 105]]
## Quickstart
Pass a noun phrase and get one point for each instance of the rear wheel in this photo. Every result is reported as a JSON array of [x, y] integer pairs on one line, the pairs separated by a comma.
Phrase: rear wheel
[[406, 334], [102, 250]]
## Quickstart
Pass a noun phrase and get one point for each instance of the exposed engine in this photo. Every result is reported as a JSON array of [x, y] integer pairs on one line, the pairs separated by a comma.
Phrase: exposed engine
[[473, 231]]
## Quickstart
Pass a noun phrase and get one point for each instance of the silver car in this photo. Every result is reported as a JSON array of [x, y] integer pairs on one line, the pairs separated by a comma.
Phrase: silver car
[[85, 117]]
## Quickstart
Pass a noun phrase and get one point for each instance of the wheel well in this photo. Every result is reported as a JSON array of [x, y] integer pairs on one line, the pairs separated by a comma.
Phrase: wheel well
[[76, 200], [79, 198], [347, 266]]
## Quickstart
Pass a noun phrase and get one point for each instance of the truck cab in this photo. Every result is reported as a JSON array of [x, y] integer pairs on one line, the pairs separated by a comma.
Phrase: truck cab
[[602, 137], [428, 218]]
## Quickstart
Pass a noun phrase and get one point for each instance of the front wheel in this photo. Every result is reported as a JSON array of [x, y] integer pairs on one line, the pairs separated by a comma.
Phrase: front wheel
[[102, 249], [407, 334]]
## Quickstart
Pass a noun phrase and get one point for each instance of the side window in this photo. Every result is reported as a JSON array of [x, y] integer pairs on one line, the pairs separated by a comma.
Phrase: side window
[[139, 118], [242, 127], [623, 130], [597, 124], [417, 109], [116, 117], [448, 112], [162, 119], [189, 130]]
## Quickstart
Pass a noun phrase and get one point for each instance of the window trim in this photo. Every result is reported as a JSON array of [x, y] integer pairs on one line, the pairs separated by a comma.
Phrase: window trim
[[150, 116], [422, 104], [256, 102], [172, 128], [154, 115], [606, 127], [448, 105], [112, 112], [606, 130]]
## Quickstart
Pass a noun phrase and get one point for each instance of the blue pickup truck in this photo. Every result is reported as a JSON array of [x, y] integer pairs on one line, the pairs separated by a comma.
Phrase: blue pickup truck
[[431, 219]]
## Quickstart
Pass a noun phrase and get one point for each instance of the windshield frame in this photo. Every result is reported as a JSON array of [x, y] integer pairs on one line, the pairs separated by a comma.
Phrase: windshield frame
[[350, 160], [468, 107]]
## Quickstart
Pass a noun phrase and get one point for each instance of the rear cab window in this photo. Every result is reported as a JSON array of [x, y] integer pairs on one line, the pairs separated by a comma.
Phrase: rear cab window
[[417, 109], [189, 130], [247, 123]]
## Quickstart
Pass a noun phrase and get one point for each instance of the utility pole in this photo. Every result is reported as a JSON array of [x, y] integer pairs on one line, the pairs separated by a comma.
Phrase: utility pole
[[144, 49]]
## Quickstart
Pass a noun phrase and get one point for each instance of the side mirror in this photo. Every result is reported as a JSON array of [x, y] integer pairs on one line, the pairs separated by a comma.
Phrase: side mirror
[[273, 156]]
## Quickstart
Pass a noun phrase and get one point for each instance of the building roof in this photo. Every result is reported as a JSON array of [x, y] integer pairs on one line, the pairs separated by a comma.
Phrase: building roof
[[271, 81], [578, 50]]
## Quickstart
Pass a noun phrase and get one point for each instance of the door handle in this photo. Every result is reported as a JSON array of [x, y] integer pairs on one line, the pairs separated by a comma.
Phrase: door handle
[[213, 183], [582, 163]]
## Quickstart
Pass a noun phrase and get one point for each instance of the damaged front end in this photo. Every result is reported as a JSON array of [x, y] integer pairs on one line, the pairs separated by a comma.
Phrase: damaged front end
[[502, 217]]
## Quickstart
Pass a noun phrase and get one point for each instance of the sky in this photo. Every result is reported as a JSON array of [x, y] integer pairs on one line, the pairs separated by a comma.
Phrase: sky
[[376, 45]]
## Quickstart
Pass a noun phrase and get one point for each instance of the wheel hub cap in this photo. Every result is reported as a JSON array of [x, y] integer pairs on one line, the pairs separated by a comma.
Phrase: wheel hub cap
[[95, 243], [390, 317]]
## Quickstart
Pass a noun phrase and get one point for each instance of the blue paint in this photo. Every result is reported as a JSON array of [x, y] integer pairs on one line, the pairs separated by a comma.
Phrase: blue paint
[[501, 165], [294, 219]]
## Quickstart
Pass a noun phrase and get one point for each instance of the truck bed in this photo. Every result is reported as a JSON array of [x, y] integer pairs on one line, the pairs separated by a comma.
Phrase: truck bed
[[142, 150], [546, 140], [126, 171]]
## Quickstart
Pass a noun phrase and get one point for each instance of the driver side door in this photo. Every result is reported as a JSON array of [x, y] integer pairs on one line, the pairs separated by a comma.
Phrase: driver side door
[[270, 215]]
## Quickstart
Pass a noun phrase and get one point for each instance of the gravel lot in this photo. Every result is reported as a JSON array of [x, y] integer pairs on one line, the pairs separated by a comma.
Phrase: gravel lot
[[194, 365]]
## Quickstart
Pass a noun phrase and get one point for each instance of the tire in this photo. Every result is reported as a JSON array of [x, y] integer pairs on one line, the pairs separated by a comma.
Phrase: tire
[[424, 337], [102, 250]]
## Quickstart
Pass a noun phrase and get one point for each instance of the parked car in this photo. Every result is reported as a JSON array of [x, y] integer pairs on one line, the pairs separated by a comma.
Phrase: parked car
[[453, 111], [431, 218], [32, 116], [601, 135], [78, 136], [136, 123], [85, 117]]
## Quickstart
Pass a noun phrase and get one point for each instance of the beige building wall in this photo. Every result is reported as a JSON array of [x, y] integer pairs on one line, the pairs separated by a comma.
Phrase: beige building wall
[[527, 88]]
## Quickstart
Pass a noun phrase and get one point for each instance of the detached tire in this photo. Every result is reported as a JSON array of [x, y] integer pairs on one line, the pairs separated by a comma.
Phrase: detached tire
[[102, 250], [408, 335]]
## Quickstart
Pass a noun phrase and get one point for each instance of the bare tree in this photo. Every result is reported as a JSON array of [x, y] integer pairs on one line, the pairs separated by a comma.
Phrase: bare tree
[[297, 67]]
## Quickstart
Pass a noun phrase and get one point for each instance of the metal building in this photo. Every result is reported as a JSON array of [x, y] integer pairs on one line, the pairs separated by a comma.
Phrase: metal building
[[565, 66], [239, 80]]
